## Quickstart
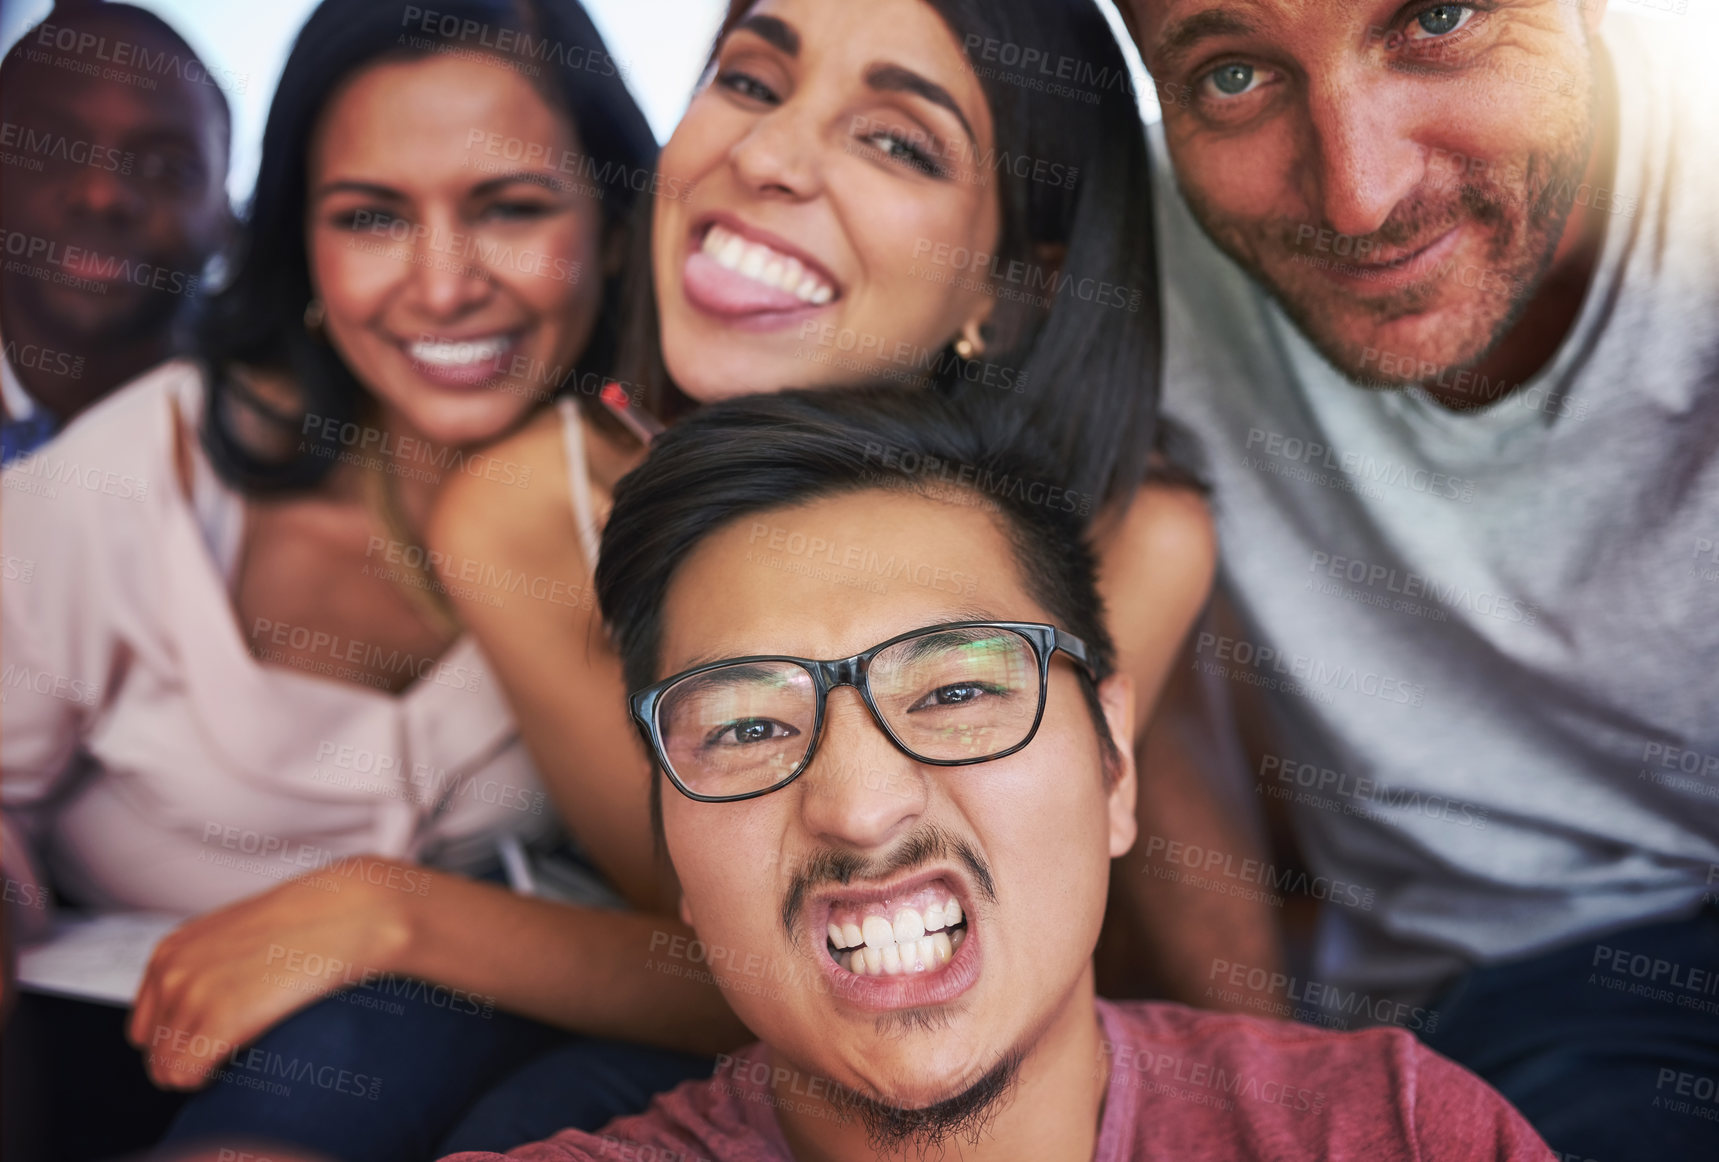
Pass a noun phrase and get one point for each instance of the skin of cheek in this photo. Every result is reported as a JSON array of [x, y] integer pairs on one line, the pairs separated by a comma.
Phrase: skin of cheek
[[901, 303]]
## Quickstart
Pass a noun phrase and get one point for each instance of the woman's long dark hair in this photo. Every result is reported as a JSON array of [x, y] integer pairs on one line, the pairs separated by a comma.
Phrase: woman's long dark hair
[[258, 319], [1063, 103]]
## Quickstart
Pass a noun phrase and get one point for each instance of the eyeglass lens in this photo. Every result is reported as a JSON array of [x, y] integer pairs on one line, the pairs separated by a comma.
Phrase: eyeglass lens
[[949, 694]]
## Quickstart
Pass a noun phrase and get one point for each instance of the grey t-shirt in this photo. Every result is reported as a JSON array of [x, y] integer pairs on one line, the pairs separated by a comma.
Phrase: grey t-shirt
[[1487, 642]]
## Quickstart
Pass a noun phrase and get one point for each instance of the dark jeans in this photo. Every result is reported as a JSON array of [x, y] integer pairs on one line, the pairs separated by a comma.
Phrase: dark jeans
[[346, 1080], [585, 1084], [1609, 1047], [386, 1073], [71, 1088]]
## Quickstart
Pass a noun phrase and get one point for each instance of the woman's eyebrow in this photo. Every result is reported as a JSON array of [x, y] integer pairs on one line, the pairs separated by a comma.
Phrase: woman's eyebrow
[[895, 79], [531, 177], [368, 189], [776, 31]]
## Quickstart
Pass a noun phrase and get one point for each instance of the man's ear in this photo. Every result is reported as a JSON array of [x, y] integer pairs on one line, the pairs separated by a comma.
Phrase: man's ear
[[1116, 696]]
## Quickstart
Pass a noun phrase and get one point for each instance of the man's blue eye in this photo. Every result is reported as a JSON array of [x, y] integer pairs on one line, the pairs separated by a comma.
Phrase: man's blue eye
[[1233, 79], [1442, 19]]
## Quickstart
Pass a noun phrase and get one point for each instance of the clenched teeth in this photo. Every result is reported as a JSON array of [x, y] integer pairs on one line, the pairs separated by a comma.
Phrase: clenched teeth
[[922, 955], [895, 938], [760, 263]]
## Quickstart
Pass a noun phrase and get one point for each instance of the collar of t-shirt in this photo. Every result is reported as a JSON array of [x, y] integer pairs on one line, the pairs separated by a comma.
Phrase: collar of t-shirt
[[19, 404]]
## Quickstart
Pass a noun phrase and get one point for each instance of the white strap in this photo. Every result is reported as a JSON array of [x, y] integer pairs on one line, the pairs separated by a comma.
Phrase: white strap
[[579, 477], [19, 405]]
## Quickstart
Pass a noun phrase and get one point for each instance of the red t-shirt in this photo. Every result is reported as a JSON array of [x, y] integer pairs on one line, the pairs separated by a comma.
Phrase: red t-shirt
[[1185, 1086]]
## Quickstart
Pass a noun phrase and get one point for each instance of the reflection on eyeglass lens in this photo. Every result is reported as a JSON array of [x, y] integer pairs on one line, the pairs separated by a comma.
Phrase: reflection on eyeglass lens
[[955, 694]]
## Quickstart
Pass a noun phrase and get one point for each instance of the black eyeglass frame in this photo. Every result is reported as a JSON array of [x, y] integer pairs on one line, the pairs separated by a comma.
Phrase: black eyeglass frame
[[855, 671]]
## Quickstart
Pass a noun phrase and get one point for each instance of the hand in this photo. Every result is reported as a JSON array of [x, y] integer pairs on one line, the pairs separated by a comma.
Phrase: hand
[[222, 979]]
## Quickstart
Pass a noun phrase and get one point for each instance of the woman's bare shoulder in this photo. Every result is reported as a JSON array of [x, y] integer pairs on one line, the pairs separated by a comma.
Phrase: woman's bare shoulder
[[1164, 543], [1155, 572]]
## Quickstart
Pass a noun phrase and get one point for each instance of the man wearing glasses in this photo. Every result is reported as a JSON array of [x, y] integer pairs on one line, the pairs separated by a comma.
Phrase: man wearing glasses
[[893, 813]]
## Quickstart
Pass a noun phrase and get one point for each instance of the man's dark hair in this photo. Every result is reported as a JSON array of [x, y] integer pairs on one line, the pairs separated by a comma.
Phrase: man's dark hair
[[750, 455], [135, 21]]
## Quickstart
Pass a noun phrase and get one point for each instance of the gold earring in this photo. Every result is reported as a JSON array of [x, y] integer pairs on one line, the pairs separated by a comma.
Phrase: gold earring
[[314, 314], [965, 347]]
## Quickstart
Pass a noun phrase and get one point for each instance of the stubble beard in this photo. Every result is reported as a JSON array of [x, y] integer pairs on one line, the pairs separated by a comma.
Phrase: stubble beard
[[1523, 220], [966, 1115]]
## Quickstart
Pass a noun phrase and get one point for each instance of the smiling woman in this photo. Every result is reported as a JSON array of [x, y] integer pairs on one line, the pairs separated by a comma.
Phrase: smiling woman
[[433, 276], [428, 223]]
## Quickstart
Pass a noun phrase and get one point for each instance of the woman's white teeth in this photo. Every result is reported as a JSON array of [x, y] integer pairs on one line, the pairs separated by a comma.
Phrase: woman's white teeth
[[760, 263], [458, 354]]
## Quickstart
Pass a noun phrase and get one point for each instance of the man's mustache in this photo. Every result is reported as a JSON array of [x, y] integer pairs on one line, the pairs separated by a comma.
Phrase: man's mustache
[[1413, 224], [925, 845]]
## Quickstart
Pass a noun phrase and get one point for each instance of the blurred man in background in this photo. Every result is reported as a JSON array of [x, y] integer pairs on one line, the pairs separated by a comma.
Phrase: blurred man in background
[[114, 140]]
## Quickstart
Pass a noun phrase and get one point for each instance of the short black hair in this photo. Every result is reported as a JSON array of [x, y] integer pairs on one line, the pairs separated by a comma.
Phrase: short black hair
[[757, 453], [138, 22]]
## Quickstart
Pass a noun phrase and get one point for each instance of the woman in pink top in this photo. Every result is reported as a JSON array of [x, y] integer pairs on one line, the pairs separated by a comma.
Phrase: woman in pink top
[[233, 693]]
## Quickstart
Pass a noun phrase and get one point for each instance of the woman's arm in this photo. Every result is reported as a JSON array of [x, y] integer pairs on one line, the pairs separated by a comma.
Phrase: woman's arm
[[221, 980], [553, 657], [1155, 572], [1157, 565], [626, 975]]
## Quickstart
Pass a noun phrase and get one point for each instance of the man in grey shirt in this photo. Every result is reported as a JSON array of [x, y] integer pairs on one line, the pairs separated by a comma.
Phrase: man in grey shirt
[[1442, 318]]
